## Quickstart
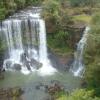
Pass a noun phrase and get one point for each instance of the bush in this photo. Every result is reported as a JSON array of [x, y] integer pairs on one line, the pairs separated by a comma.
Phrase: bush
[[33, 2], [2, 13], [20, 3], [61, 38], [79, 94], [2, 10]]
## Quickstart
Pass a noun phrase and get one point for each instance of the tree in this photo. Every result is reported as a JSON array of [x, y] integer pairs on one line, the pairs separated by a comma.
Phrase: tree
[[20, 3]]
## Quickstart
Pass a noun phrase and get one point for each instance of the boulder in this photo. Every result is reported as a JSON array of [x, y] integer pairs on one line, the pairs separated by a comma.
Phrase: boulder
[[35, 64], [8, 63], [53, 89], [17, 67], [10, 93]]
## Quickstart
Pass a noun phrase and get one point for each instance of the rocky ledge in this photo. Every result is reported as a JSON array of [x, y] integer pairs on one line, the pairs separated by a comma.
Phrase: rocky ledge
[[75, 29]]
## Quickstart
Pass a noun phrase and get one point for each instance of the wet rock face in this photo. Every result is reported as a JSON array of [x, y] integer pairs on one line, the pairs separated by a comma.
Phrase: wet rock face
[[11, 94], [76, 27], [76, 31]]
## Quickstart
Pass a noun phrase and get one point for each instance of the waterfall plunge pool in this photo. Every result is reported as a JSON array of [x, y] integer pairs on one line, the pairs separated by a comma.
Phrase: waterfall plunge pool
[[29, 82]]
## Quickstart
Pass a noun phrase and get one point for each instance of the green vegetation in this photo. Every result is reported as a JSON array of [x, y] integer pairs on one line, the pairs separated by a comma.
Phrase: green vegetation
[[59, 46], [80, 94], [83, 17], [8, 7], [92, 55], [55, 13]]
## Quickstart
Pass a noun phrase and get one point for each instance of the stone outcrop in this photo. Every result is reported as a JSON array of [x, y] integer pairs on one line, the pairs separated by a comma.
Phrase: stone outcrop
[[76, 31], [35, 64], [11, 94]]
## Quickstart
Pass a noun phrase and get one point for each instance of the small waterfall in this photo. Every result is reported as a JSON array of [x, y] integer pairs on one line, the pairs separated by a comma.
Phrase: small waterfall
[[25, 36], [78, 66]]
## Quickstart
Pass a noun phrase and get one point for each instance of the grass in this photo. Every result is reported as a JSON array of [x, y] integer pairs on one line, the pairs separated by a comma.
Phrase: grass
[[63, 97], [62, 51], [83, 17]]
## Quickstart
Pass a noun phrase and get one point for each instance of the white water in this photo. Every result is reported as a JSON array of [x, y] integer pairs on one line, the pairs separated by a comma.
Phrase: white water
[[43, 56], [13, 39], [27, 24], [78, 66]]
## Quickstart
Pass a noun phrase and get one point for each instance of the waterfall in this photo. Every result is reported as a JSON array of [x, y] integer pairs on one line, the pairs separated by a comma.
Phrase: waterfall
[[25, 35], [43, 58], [78, 66], [13, 38]]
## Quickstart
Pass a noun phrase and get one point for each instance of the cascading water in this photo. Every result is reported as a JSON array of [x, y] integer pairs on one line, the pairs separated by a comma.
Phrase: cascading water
[[12, 31], [43, 58], [25, 35], [78, 66]]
